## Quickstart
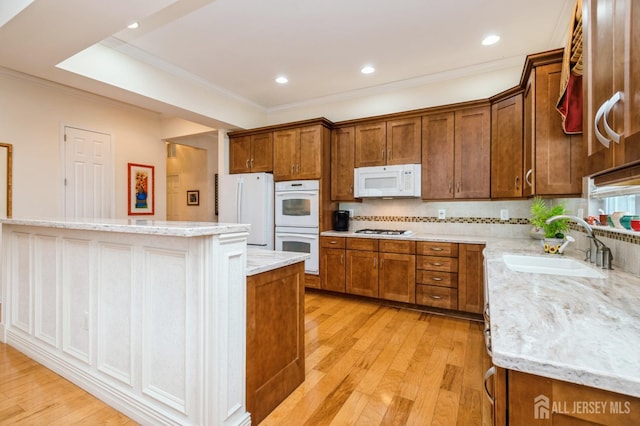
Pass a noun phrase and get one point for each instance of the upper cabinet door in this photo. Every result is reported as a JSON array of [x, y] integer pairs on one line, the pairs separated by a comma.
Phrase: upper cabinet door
[[342, 163], [285, 153], [438, 156], [371, 144], [473, 153], [262, 152], [559, 157], [506, 148], [240, 154], [404, 141], [611, 83], [309, 155]]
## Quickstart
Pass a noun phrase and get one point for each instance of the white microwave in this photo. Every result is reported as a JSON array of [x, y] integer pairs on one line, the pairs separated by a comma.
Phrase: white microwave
[[388, 181]]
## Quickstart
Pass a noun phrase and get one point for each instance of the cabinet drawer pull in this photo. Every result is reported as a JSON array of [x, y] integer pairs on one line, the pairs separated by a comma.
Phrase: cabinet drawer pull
[[436, 249], [436, 278], [436, 264], [333, 242], [436, 297]]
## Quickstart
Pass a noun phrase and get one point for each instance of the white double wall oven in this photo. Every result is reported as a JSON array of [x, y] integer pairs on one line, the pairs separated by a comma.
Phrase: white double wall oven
[[297, 212]]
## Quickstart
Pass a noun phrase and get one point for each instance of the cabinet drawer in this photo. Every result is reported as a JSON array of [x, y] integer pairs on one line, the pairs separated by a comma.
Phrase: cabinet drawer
[[437, 249], [332, 242], [395, 246], [442, 279], [439, 297], [365, 244], [436, 263]]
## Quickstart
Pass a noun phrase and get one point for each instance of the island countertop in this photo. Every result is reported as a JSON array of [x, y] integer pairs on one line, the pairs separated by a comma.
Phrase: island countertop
[[135, 226], [260, 260], [580, 330]]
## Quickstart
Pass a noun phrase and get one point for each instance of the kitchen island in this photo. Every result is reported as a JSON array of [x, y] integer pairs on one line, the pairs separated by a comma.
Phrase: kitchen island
[[148, 316]]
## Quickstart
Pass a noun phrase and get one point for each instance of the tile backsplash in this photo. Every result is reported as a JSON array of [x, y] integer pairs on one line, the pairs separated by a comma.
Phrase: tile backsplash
[[483, 218]]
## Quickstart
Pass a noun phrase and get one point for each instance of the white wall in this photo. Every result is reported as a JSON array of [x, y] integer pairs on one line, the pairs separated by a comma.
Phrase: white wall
[[32, 113]]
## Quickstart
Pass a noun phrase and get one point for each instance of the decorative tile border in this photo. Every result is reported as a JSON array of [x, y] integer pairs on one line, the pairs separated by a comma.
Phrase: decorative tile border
[[433, 219], [627, 237]]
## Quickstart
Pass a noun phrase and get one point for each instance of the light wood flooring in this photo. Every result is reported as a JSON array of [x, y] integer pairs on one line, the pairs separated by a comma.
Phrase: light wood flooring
[[366, 364]]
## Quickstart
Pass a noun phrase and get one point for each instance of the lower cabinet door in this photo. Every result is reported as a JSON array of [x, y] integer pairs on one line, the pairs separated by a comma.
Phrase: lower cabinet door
[[362, 273], [332, 270], [397, 277]]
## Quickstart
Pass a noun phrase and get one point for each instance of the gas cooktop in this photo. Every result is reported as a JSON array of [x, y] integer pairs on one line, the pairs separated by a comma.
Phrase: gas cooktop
[[385, 231]]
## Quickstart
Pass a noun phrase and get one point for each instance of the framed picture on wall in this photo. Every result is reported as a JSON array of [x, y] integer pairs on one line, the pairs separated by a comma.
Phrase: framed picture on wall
[[141, 189], [193, 198]]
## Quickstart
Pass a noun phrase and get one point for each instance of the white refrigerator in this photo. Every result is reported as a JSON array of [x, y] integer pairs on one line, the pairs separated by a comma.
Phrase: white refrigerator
[[248, 198]]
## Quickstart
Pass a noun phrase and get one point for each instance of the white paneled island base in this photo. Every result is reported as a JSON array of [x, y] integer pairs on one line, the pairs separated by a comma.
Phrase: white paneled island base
[[148, 316]]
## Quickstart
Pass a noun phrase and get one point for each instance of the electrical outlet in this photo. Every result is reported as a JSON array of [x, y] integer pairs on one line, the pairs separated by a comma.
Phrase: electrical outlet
[[351, 212], [580, 213], [504, 214], [442, 214]]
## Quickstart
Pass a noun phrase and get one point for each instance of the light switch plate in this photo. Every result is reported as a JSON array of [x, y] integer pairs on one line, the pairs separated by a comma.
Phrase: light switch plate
[[504, 214], [442, 214]]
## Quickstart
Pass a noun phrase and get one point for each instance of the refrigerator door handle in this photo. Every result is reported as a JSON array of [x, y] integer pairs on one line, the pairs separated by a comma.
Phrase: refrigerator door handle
[[239, 188]]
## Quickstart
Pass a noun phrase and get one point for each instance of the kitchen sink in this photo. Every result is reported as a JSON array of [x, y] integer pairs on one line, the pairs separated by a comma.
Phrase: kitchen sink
[[551, 265]]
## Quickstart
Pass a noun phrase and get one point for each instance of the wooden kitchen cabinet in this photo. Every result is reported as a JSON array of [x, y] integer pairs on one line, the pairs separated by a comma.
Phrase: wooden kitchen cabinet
[[275, 338], [251, 153], [456, 152], [397, 274], [332, 264], [342, 163], [362, 267], [611, 40], [553, 161], [531, 399], [388, 142], [506, 147], [471, 278], [297, 153]]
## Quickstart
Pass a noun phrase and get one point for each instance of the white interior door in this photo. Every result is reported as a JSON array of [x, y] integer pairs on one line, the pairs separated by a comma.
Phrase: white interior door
[[88, 174]]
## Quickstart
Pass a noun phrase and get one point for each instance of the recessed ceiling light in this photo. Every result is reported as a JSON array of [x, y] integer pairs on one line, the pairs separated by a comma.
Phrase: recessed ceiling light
[[490, 39], [133, 26], [367, 69], [282, 80]]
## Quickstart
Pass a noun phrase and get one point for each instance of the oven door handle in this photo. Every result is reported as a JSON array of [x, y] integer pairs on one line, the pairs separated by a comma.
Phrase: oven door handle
[[306, 236], [279, 194]]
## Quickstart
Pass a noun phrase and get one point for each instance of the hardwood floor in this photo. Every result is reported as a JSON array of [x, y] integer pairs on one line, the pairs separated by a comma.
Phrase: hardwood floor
[[366, 364], [31, 394]]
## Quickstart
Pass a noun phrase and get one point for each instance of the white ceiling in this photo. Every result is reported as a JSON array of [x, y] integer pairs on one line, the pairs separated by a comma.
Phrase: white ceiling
[[238, 47]]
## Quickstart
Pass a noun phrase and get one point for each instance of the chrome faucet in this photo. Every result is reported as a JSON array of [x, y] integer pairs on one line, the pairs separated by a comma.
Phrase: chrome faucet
[[597, 253]]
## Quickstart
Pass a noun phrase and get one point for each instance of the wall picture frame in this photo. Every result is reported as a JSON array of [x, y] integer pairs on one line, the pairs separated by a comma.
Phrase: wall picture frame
[[193, 197], [141, 189]]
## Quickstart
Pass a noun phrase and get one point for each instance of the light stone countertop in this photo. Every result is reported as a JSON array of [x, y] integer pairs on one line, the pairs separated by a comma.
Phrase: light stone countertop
[[135, 226], [580, 330], [260, 260]]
